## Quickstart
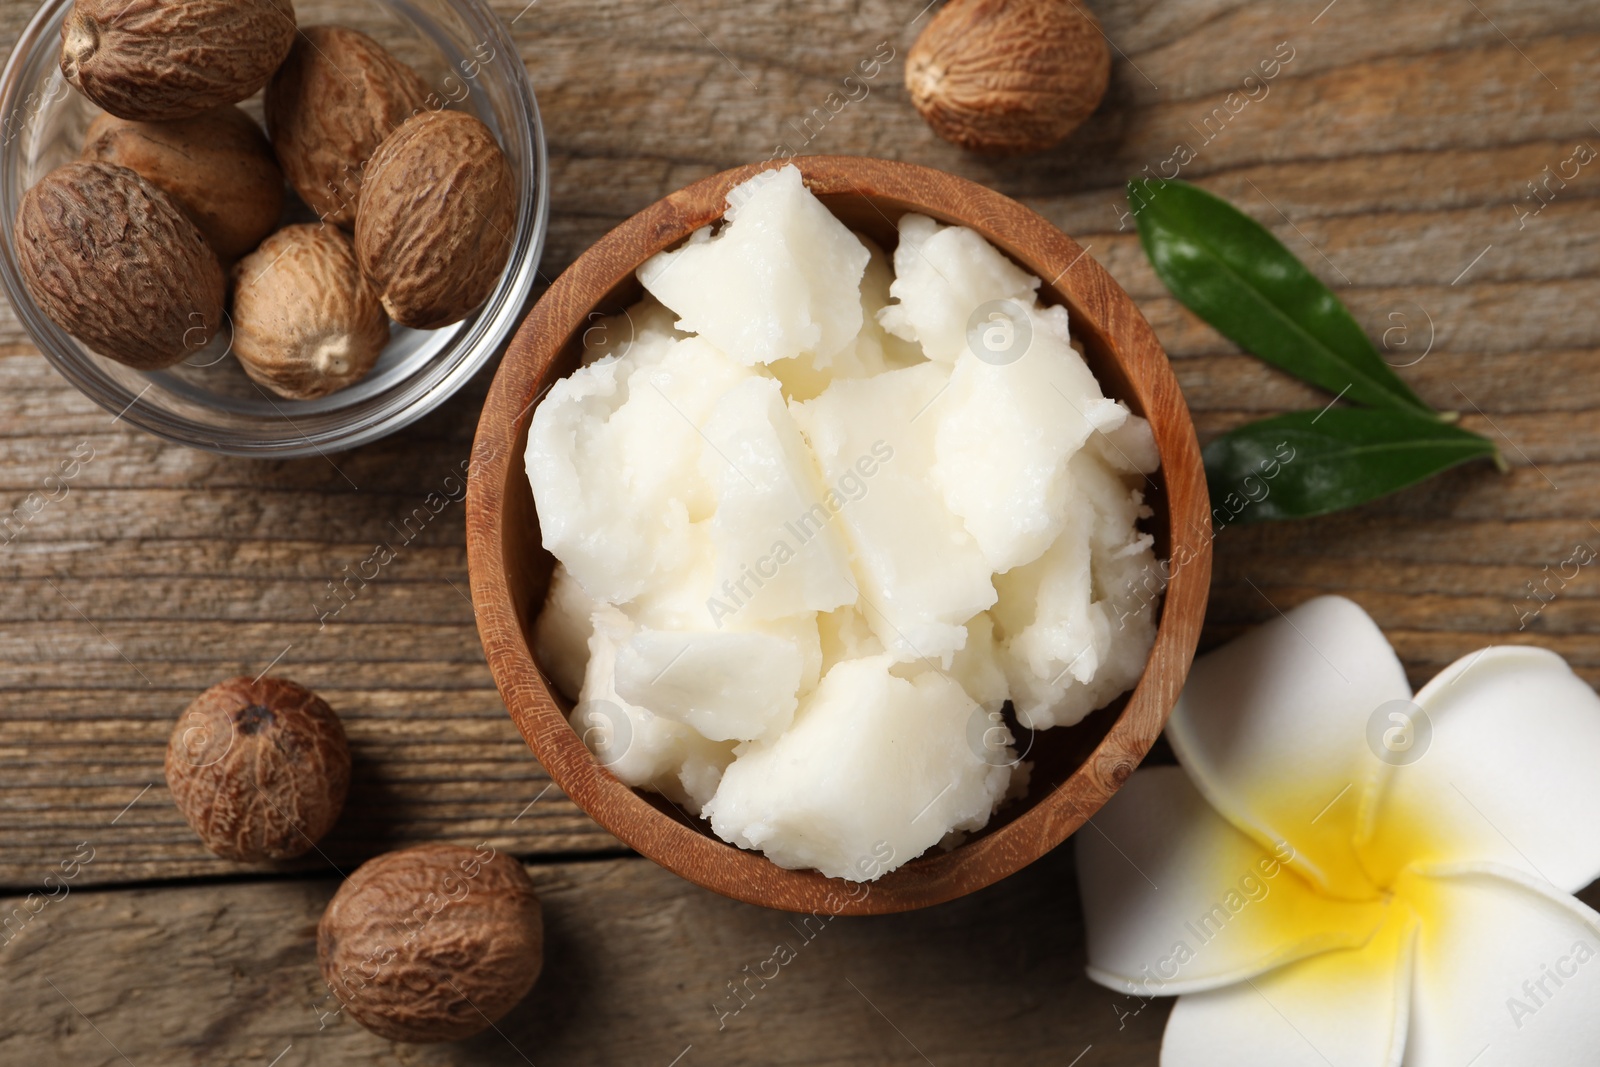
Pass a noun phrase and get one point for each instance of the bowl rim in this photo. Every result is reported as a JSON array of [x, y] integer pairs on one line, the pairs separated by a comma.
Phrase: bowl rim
[[496, 470], [487, 330]]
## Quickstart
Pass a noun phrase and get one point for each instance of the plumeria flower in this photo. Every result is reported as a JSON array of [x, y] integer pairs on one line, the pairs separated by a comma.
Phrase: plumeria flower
[[1344, 875]]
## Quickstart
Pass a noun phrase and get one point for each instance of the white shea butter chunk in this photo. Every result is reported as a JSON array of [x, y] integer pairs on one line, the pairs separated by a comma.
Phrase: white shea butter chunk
[[871, 760], [873, 351], [771, 563], [660, 426], [689, 602], [1079, 622], [943, 275], [561, 633], [921, 574], [846, 634], [1006, 428], [641, 748], [874, 342], [979, 667], [781, 278], [614, 462], [1129, 448], [642, 334], [725, 686]]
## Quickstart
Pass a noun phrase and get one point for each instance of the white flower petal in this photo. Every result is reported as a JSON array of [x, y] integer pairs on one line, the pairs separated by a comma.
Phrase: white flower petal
[[1348, 1008], [1176, 900], [1508, 776], [1272, 727], [1508, 971]]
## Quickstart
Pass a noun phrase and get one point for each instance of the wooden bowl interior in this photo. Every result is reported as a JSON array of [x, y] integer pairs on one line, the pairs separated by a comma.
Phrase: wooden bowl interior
[[1057, 755]]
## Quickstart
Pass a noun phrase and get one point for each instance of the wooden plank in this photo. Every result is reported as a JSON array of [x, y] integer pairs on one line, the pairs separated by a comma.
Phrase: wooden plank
[[1393, 148], [638, 971]]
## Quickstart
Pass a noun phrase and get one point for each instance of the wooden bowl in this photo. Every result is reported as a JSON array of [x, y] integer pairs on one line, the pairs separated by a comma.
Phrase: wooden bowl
[[1075, 769]]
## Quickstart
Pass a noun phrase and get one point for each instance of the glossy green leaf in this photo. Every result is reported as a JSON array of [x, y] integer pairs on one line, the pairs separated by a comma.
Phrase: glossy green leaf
[[1310, 463], [1225, 267]]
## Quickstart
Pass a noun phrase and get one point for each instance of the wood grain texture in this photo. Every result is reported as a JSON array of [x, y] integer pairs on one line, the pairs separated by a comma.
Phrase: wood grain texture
[[159, 571], [1398, 143], [640, 966], [1073, 771]]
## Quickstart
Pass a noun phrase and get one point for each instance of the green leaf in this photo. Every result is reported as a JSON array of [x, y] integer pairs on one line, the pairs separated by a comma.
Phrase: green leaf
[[1310, 463], [1226, 268]]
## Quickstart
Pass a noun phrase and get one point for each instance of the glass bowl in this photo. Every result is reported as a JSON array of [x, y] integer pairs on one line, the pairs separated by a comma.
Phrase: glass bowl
[[467, 58]]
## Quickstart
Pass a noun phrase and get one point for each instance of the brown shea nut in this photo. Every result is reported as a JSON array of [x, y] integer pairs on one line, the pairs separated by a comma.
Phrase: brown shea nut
[[1006, 77], [432, 943], [217, 165], [157, 60], [259, 768], [116, 263], [334, 100], [306, 321], [437, 212]]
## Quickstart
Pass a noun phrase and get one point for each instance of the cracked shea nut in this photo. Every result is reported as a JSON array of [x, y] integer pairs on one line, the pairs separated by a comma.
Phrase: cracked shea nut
[[306, 321], [217, 165], [259, 768], [329, 107], [116, 263], [1006, 77], [437, 212], [433, 943], [156, 60]]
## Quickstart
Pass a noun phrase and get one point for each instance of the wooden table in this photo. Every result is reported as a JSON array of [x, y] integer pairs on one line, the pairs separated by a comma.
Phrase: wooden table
[[1393, 152]]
